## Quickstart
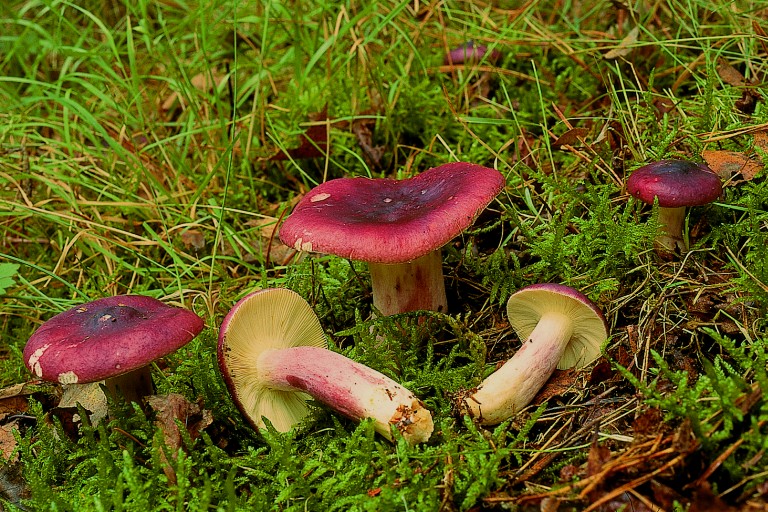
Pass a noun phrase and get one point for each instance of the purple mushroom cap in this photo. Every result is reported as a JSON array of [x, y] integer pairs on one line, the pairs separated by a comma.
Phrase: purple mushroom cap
[[391, 221], [108, 337], [469, 52], [676, 183]]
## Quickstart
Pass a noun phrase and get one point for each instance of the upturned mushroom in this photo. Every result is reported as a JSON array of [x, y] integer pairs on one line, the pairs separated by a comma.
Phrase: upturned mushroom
[[273, 354], [675, 184], [113, 339], [560, 328], [397, 226]]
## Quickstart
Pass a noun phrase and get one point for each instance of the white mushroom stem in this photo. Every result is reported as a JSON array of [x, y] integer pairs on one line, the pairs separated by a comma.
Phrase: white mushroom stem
[[671, 234], [416, 285], [348, 387], [510, 388]]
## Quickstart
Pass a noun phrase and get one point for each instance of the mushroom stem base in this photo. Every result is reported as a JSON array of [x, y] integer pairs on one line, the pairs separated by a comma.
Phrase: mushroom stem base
[[670, 236], [510, 388], [413, 286]]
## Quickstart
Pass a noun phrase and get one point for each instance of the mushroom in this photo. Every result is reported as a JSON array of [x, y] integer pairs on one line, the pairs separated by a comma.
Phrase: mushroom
[[112, 339], [397, 226], [675, 184], [469, 52], [562, 329], [273, 355]]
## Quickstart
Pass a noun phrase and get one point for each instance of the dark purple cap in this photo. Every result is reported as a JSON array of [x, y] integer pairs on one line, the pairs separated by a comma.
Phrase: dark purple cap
[[677, 183], [391, 221], [108, 337]]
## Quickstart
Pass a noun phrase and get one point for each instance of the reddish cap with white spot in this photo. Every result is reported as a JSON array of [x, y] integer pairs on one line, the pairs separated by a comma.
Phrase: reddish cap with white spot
[[391, 221], [108, 337], [676, 183]]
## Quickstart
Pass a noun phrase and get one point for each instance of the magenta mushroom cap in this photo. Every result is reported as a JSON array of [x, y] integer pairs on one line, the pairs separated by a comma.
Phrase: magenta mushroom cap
[[469, 52], [676, 183], [391, 221], [108, 337]]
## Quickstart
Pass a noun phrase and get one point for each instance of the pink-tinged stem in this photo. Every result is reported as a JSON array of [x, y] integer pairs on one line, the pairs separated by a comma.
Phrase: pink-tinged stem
[[348, 387], [510, 388], [412, 286]]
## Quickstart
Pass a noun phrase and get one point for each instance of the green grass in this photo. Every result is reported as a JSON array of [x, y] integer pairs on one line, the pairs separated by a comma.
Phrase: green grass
[[130, 129]]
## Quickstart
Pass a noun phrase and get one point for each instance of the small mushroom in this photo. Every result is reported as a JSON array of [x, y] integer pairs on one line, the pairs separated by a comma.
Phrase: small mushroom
[[397, 226], [112, 339], [676, 184], [470, 52], [273, 355], [561, 328]]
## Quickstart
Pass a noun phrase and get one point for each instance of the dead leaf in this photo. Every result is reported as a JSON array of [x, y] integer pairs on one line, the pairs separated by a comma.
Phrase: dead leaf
[[572, 137], [269, 243], [13, 487], [90, 396], [193, 239], [727, 164], [7, 440], [760, 140], [730, 75], [625, 46], [649, 423], [15, 399], [314, 141], [203, 82], [558, 384], [362, 130], [170, 408]]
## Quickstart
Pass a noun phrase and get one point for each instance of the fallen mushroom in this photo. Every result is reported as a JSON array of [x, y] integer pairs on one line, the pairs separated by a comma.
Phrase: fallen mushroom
[[676, 184], [397, 226], [113, 339], [273, 356], [561, 328]]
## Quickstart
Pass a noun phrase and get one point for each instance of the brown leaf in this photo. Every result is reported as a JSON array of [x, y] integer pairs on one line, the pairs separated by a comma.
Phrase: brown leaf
[[730, 75], [7, 440], [729, 163], [625, 46], [598, 457], [13, 487], [15, 399], [760, 140], [193, 239], [362, 130], [203, 82], [557, 385], [314, 141], [601, 372], [572, 137], [648, 422], [170, 408], [269, 243]]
